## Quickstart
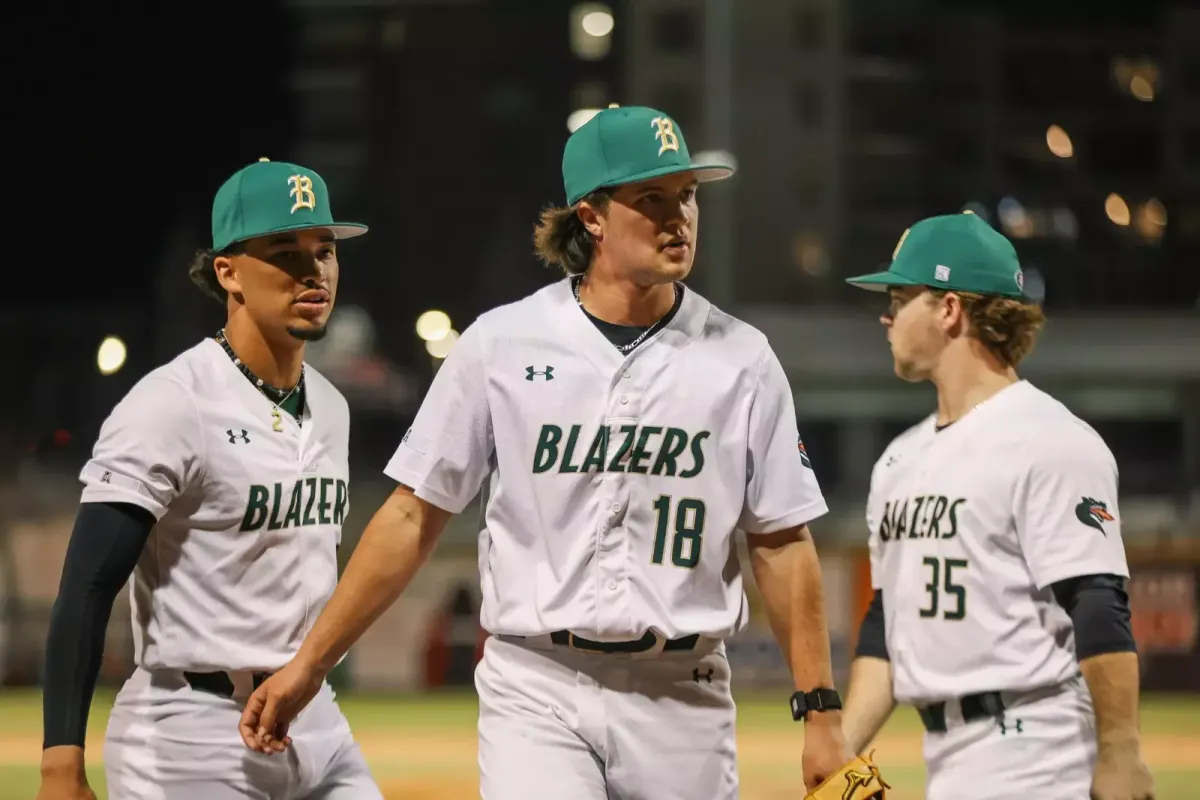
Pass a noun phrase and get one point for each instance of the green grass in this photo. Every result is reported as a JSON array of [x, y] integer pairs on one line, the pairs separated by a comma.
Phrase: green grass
[[20, 719]]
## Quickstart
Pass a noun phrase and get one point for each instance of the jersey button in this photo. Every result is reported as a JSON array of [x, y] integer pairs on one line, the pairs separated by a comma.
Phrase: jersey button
[[615, 507], [627, 374], [624, 399], [612, 586]]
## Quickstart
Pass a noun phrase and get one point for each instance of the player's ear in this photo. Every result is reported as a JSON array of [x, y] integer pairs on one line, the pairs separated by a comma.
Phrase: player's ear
[[952, 313], [227, 274], [589, 217]]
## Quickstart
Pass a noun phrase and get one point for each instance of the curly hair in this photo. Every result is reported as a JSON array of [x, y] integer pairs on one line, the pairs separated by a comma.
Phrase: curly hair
[[1006, 326], [559, 238], [202, 273]]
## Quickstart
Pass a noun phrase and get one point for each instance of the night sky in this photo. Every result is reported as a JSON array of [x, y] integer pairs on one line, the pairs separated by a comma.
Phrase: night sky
[[131, 118]]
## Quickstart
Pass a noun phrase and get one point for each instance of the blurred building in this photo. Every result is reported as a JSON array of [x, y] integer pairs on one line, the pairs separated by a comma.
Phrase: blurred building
[[441, 124], [1077, 134]]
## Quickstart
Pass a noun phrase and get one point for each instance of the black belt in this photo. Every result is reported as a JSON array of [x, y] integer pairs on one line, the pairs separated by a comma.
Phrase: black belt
[[974, 706], [642, 645], [219, 683]]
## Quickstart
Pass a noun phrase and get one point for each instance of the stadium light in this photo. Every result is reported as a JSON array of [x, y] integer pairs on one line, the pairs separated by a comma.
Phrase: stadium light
[[1155, 212], [110, 357], [1059, 142], [440, 348], [1151, 220], [433, 325], [1117, 209], [1014, 218], [580, 117], [1141, 88], [591, 30], [597, 23]]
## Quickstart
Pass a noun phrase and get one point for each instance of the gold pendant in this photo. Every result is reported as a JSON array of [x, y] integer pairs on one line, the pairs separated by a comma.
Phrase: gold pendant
[[276, 420]]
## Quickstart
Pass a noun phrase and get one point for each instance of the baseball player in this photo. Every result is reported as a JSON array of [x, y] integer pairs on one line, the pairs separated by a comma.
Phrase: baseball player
[[622, 429], [997, 562], [219, 482]]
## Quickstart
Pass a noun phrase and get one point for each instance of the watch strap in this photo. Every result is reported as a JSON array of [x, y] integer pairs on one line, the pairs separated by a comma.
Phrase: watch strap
[[819, 699]]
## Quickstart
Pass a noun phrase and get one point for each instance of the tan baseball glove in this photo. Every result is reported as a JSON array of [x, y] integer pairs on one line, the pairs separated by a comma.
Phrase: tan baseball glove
[[858, 780]]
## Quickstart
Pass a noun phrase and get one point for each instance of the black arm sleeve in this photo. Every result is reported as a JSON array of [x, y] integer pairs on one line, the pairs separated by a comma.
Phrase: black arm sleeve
[[871, 639], [1099, 608], [105, 545]]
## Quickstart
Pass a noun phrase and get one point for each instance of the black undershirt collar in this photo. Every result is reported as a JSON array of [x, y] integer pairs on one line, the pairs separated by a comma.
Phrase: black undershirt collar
[[289, 400], [628, 338]]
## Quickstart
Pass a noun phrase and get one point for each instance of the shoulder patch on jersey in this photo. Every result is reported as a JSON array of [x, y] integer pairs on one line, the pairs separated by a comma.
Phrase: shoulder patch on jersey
[[804, 459], [415, 441], [1093, 513]]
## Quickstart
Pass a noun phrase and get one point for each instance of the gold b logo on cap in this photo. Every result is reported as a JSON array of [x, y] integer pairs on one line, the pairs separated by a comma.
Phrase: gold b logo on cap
[[900, 243], [664, 132], [302, 190]]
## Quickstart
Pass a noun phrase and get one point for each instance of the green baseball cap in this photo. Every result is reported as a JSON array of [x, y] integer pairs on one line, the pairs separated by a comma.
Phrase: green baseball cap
[[955, 252], [273, 197], [627, 144]]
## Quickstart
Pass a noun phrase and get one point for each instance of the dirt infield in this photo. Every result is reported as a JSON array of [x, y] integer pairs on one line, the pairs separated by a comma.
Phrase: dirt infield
[[443, 766], [428, 757]]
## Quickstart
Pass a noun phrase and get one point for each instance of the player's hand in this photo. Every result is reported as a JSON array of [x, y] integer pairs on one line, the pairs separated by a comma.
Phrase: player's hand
[[825, 748], [63, 775], [275, 704], [1120, 774], [64, 789]]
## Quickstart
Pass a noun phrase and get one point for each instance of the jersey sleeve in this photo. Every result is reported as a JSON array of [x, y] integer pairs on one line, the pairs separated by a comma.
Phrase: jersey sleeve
[[446, 454], [150, 448], [1066, 512], [781, 487]]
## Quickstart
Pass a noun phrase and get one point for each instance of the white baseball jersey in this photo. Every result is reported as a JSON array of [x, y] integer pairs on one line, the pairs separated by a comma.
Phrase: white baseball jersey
[[249, 505], [970, 526], [616, 482]]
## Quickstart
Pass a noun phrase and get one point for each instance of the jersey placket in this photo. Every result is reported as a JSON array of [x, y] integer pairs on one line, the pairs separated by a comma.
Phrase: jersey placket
[[298, 432], [614, 606]]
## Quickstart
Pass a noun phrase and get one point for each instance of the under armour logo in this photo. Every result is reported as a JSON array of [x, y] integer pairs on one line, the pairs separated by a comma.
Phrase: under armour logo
[[547, 373], [697, 675], [1015, 727], [234, 437], [106, 477]]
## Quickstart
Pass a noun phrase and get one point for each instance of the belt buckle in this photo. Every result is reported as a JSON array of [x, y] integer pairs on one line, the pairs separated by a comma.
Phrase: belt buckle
[[992, 704]]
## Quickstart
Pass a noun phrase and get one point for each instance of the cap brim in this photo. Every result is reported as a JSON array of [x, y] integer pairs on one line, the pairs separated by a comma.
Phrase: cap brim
[[705, 173], [880, 281], [340, 230]]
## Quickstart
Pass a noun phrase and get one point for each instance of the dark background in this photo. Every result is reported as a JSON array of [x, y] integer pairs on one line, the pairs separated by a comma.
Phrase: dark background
[[440, 124]]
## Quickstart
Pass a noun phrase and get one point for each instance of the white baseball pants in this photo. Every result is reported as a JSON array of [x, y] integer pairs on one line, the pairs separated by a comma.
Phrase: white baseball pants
[[1043, 748], [557, 723], [168, 741]]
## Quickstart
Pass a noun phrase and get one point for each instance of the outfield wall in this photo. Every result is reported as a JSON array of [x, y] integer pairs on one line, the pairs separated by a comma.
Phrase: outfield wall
[[431, 636]]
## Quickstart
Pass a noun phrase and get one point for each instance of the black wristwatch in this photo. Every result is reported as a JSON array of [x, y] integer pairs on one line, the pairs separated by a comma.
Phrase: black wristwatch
[[817, 700]]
